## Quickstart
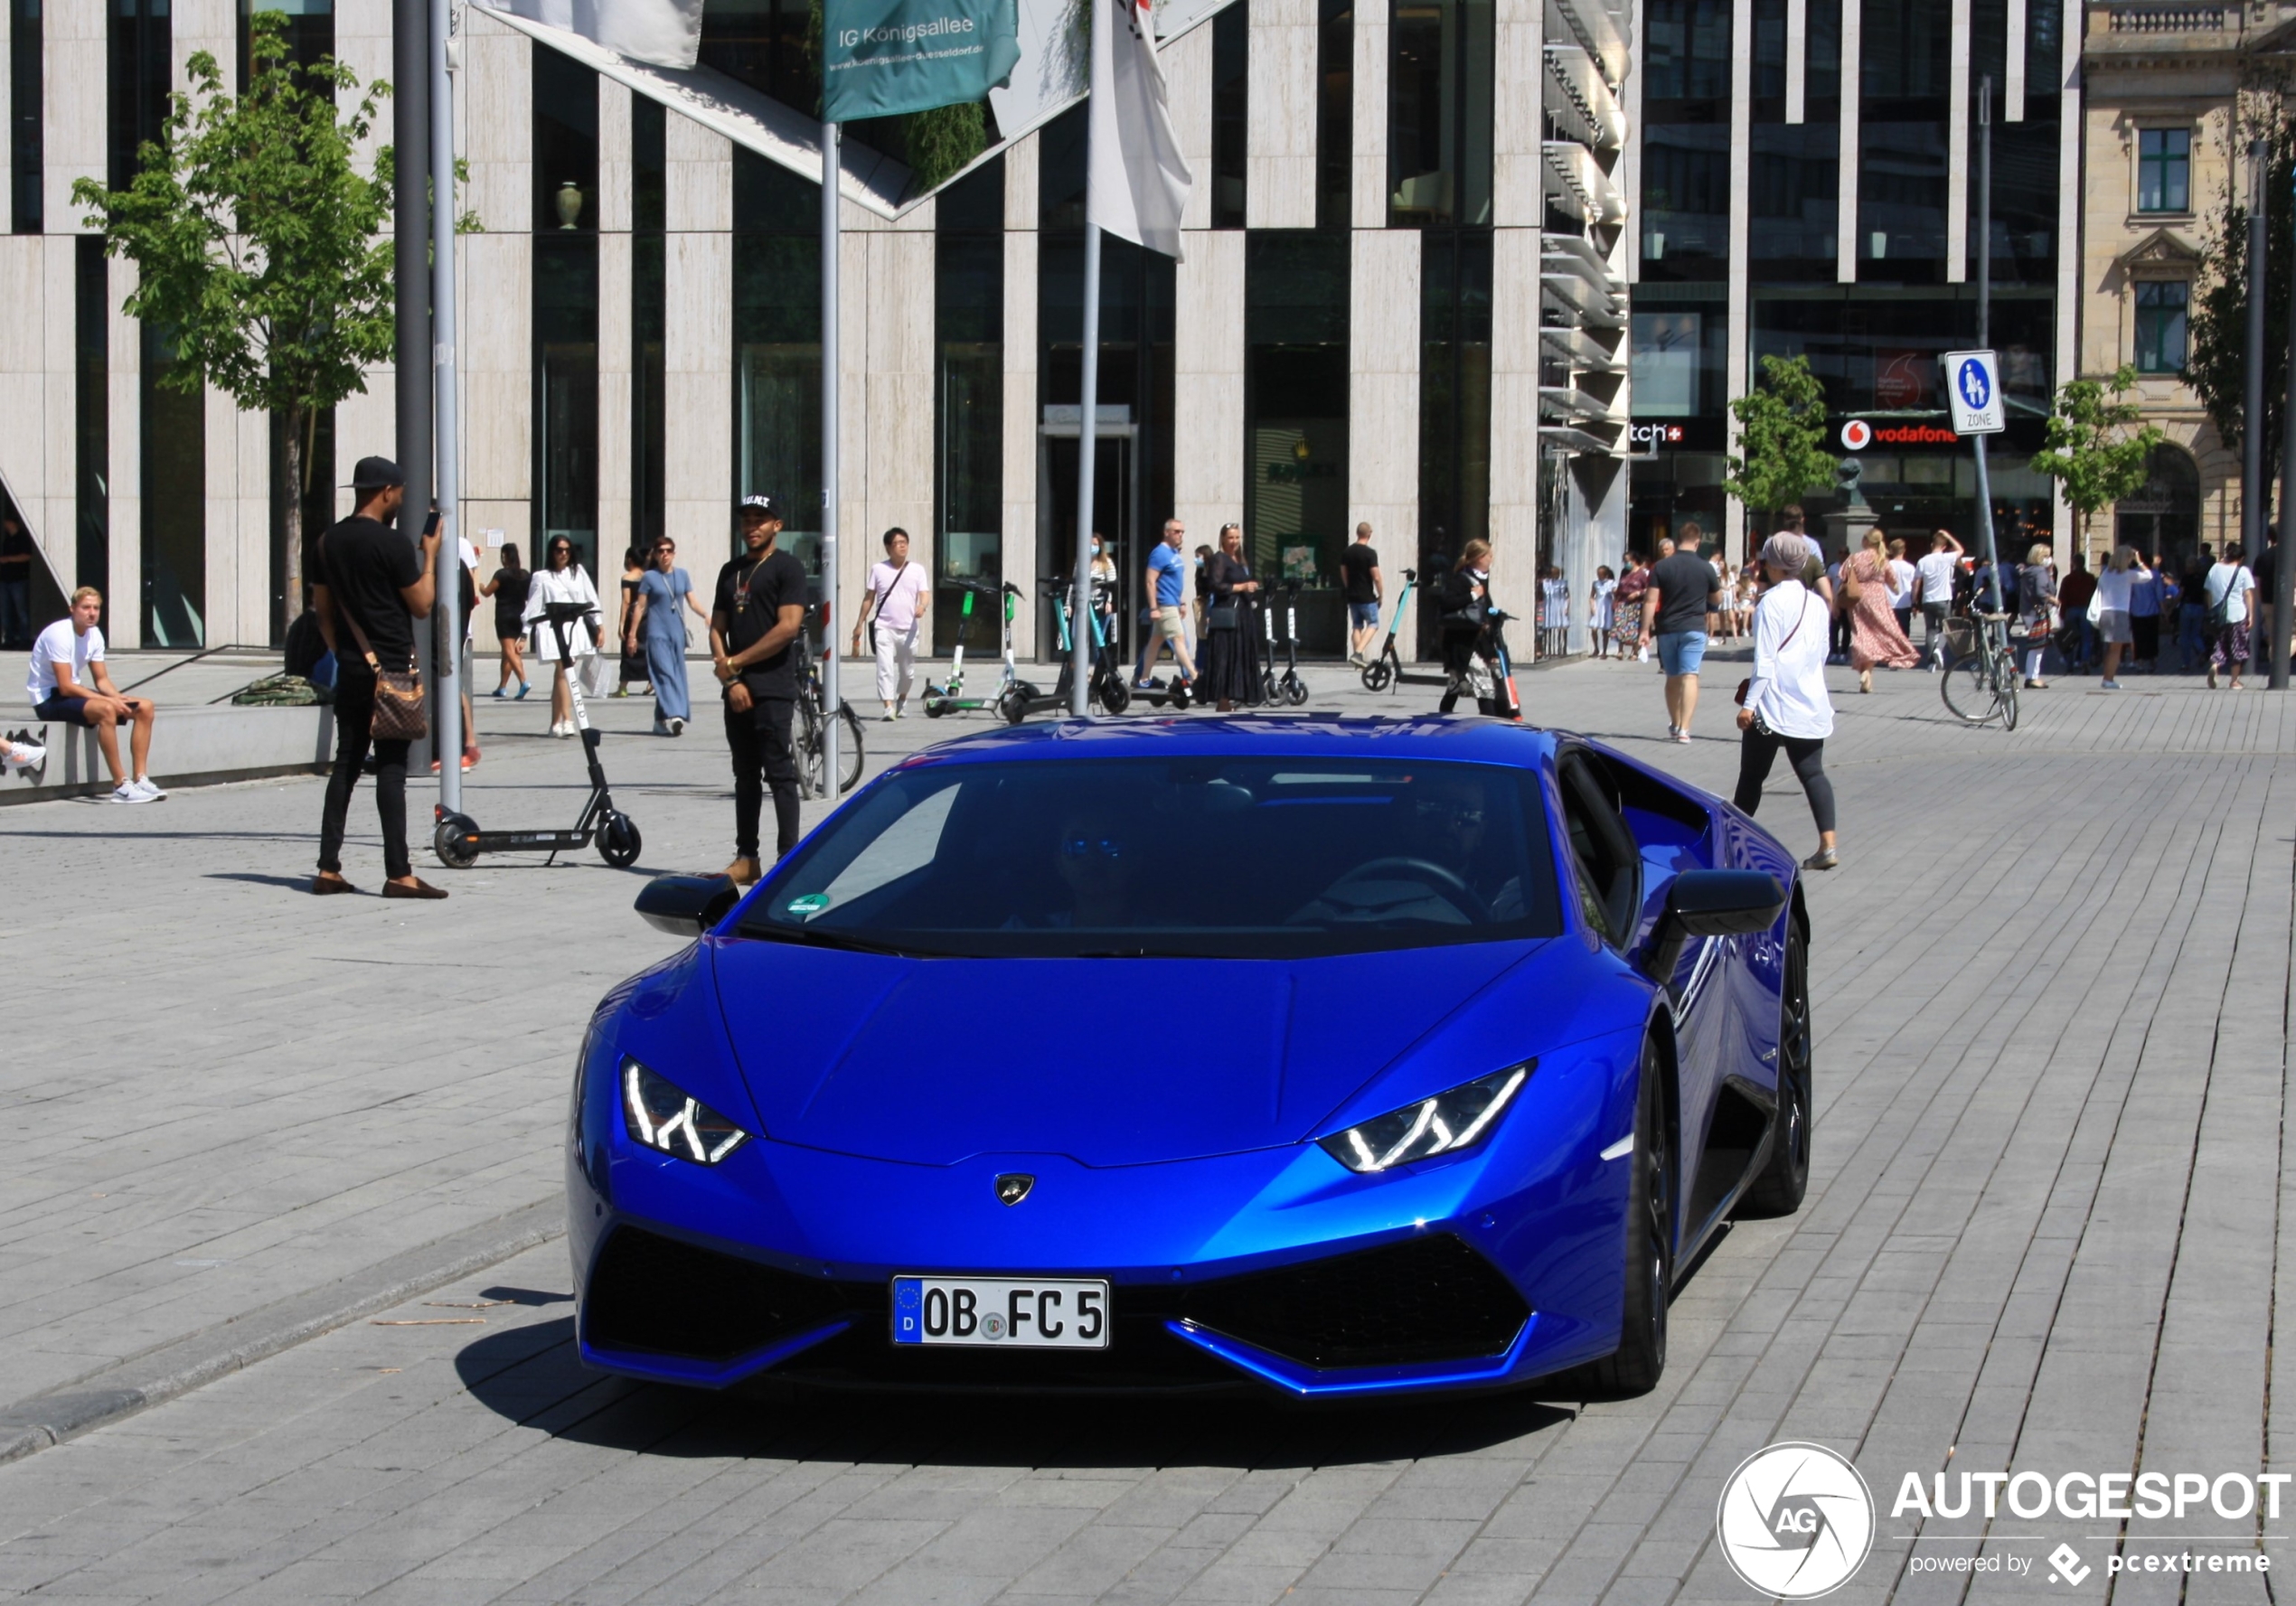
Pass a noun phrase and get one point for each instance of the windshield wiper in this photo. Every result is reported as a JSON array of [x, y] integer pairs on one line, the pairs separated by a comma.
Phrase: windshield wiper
[[815, 937]]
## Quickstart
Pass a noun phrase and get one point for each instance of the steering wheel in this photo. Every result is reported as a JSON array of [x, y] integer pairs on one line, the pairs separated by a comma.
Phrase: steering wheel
[[1447, 882]]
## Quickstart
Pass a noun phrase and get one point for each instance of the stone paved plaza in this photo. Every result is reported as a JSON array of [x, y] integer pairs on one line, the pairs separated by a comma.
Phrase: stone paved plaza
[[2044, 1229]]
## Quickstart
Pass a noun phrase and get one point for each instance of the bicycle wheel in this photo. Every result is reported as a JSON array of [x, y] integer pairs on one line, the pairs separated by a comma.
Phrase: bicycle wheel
[[2007, 694], [812, 776], [849, 749], [1967, 687]]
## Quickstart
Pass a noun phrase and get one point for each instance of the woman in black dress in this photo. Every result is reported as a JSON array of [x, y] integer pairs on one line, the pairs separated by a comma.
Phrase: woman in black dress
[[633, 671], [1231, 673], [508, 589]]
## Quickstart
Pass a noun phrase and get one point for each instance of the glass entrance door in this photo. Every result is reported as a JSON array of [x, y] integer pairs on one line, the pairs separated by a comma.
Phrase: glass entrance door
[[1115, 502]]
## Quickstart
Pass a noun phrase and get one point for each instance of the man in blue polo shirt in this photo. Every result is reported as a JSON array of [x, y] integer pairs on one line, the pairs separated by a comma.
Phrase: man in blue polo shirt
[[1167, 582]]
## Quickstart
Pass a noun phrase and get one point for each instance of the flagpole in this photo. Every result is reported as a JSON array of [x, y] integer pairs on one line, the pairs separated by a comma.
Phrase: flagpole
[[829, 173], [1087, 422], [451, 738]]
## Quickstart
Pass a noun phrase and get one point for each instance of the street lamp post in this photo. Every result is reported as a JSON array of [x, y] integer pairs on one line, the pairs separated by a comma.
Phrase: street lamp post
[[411, 264], [2283, 572], [2253, 491]]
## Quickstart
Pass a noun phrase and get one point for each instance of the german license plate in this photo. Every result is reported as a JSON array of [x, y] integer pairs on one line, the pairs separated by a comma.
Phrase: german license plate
[[1001, 1312]]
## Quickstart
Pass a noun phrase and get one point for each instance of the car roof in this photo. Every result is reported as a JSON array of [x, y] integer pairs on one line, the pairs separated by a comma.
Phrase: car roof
[[1468, 739]]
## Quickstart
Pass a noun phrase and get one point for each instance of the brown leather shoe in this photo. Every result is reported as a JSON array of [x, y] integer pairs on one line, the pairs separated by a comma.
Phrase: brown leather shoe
[[743, 872], [325, 884], [422, 889]]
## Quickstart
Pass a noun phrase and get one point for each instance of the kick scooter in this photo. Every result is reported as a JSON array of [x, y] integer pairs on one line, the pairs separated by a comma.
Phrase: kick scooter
[[1107, 686], [1288, 686], [1385, 670], [459, 842], [951, 698]]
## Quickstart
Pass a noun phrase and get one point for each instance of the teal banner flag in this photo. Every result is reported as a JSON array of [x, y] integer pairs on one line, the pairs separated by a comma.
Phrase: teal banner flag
[[880, 58]]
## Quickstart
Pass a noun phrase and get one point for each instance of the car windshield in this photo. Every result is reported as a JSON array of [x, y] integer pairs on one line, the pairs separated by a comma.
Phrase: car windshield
[[1245, 857]]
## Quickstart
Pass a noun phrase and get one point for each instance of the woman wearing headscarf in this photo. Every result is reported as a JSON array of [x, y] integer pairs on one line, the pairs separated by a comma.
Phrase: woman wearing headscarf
[[1784, 702], [1874, 635]]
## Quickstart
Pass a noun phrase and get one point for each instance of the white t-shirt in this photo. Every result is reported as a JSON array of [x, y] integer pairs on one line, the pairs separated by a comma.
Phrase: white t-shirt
[[2228, 583], [58, 645], [897, 591], [1902, 575], [1936, 572]]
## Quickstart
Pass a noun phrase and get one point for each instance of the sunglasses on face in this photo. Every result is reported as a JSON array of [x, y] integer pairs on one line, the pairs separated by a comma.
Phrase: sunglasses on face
[[1447, 814], [1089, 847]]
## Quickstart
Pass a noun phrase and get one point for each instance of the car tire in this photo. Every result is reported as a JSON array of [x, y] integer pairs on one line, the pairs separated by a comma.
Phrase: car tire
[[1640, 1357], [1778, 1190]]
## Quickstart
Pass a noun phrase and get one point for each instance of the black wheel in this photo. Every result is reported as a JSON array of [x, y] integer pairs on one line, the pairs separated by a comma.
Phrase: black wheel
[[1379, 676], [1180, 695], [1640, 1358], [1013, 704], [812, 775], [1968, 689], [1778, 1190], [1115, 697], [1294, 689], [849, 749], [618, 841], [448, 841], [935, 705], [2009, 697]]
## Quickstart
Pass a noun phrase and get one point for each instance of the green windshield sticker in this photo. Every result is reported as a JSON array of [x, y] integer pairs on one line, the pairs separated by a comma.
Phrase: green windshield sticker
[[807, 907]]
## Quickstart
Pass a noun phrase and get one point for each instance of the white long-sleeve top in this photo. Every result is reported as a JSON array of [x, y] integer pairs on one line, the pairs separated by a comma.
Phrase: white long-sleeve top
[[1788, 691], [570, 584]]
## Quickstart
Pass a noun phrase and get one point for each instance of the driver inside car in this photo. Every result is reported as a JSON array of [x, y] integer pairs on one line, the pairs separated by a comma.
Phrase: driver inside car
[[1448, 820], [1097, 857]]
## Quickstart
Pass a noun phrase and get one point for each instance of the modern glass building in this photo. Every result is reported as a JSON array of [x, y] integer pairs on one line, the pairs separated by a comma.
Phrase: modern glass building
[[1807, 180], [1402, 301]]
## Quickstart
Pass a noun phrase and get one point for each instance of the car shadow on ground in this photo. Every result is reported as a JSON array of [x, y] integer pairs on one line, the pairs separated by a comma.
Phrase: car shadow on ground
[[530, 1376]]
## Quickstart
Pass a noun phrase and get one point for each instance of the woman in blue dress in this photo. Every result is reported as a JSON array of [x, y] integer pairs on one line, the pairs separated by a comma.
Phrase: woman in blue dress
[[657, 629]]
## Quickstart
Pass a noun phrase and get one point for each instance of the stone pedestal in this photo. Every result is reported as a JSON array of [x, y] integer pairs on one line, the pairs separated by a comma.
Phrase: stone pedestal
[[1846, 528]]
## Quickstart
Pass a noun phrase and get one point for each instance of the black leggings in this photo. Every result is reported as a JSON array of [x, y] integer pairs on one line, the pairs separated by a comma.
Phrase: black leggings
[[1806, 754], [354, 712]]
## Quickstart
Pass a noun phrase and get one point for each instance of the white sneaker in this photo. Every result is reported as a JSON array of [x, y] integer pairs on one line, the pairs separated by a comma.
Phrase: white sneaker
[[149, 788], [24, 757], [126, 793], [677, 727], [563, 727]]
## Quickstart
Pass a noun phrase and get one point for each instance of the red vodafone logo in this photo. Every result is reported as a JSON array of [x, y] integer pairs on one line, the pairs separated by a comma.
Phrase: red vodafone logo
[[1857, 435]]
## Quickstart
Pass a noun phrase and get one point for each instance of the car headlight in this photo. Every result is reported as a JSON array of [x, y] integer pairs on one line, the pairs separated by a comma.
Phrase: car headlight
[[1444, 1125], [662, 1116]]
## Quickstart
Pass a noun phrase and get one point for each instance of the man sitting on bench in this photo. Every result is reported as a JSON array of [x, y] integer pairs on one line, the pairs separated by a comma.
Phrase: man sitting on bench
[[70, 686]]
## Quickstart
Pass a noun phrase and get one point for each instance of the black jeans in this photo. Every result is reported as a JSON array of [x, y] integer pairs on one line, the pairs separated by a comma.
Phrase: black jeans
[[354, 712], [1759, 751], [759, 742]]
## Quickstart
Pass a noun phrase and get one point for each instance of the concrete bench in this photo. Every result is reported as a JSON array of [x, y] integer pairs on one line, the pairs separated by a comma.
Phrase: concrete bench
[[191, 746]]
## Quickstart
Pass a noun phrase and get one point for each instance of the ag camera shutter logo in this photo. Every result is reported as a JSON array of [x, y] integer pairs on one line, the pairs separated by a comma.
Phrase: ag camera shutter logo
[[1796, 1521]]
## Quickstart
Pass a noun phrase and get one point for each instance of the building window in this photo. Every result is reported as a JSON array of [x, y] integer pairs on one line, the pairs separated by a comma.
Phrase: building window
[[762, 42], [24, 87], [1686, 61], [136, 55], [2161, 325], [776, 344], [968, 334], [91, 320], [1231, 111], [1439, 113], [309, 31], [1455, 403], [1335, 114], [565, 225], [174, 459], [649, 309], [1295, 418], [2164, 170]]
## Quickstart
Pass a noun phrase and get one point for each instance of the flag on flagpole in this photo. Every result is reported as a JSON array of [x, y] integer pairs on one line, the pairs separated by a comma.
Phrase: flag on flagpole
[[1139, 180], [660, 33]]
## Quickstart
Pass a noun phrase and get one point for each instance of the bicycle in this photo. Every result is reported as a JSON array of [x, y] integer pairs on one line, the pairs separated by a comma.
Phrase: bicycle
[[811, 731], [1980, 680]]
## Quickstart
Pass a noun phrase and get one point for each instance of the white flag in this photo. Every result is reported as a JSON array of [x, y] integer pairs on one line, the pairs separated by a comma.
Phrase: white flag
[[1139, 180], [660, 33]]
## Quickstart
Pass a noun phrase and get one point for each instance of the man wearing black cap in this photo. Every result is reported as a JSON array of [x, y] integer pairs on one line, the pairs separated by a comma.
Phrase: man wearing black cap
[[760, 608], [370, 580]]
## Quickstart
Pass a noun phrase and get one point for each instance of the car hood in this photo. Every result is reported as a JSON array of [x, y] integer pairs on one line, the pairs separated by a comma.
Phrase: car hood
[[1109, 1062]]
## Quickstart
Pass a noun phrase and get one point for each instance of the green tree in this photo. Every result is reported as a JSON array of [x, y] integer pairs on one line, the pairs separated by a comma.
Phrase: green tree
[[258, 245], [2216, 352], [1782, 425], [2097, 445]]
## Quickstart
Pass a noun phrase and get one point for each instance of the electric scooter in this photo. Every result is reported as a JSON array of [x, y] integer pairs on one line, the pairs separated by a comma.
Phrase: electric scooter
[[1501, 702], [1287, 687], [459, 842], [1107, 687], [1384, 673], [951, 698]]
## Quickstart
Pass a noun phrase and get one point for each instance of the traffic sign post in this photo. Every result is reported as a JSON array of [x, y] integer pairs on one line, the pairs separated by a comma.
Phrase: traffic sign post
[[1974, 389]]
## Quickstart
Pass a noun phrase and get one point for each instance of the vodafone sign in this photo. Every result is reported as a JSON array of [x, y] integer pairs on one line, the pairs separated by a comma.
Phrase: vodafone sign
[[1857, 435]]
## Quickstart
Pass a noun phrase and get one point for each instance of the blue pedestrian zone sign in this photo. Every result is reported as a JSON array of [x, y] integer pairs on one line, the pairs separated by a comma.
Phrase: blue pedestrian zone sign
[[1973, 390]]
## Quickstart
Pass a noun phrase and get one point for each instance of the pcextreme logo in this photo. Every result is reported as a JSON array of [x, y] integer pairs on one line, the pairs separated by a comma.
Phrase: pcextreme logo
[[1796, 1521]]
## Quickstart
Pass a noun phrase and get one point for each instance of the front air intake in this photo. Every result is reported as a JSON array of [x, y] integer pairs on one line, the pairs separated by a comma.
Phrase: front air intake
[[658, 1295], [1430, 1299]]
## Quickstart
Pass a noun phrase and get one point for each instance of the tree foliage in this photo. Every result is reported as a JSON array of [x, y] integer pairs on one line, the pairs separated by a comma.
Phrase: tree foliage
[[258, 243], [2098, 445], [1782, 424], [2216, 355]]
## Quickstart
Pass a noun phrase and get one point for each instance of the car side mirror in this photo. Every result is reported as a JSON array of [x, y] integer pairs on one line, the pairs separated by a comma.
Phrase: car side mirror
[[1711, 904], [686, 906]]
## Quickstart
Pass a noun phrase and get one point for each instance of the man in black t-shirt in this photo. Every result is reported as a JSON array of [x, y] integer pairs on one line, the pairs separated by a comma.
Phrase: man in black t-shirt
[[754, 627], [1683, 591], [370, 584], [1366, 588]]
